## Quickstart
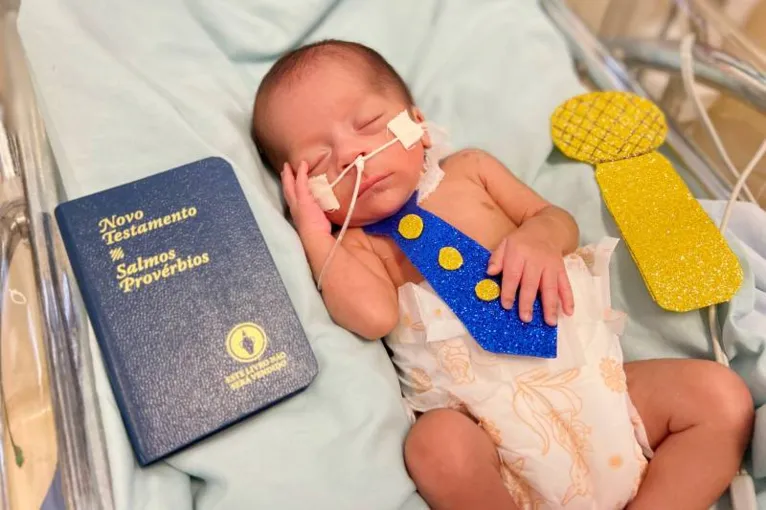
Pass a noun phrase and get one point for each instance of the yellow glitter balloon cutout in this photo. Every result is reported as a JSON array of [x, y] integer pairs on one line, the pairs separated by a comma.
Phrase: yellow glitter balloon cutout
[[683, 258], [607, 126]]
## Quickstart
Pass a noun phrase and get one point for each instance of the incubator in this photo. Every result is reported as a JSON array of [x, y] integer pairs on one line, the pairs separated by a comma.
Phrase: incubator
[[59, 448]]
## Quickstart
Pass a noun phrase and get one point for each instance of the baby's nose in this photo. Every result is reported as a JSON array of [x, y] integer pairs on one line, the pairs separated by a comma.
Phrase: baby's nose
[[350, 157]]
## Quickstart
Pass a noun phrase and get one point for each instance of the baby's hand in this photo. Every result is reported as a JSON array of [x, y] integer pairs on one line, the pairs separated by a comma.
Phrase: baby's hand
[[529, 263], [308, 216]]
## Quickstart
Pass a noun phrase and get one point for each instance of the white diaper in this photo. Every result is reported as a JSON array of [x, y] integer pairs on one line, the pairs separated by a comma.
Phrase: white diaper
[[565, 428]]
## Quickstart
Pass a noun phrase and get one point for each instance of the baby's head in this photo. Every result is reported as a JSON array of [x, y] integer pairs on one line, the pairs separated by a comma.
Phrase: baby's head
[[328, 103]]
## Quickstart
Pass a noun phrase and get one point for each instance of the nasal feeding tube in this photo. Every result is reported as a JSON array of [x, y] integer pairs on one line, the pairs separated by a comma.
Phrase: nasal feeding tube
[[406, 131]]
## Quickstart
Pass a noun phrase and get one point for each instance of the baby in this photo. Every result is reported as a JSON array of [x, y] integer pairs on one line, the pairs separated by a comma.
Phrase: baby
[[578, 431]]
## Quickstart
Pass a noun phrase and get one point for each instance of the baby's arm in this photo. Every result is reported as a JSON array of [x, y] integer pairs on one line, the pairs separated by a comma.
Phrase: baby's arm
[[531, 212], [530, 258], [356, 288]]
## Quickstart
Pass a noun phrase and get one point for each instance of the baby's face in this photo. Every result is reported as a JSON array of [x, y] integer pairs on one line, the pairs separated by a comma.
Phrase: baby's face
[[331, 115]]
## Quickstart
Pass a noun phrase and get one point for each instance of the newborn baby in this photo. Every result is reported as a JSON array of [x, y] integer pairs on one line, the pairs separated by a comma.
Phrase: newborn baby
[[578, 431]]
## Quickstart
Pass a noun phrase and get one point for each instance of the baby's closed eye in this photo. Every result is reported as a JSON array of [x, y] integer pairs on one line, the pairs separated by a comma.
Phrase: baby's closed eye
[[370, 123]]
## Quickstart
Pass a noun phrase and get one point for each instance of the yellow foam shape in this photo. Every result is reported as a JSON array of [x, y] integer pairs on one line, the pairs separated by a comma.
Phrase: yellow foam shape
[[683, 258], [411, 226], [487, 290], [607, 126], [450, 258]]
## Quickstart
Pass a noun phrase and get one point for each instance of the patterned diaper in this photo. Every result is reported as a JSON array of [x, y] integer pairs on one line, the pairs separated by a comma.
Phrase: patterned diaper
[[566, 431]]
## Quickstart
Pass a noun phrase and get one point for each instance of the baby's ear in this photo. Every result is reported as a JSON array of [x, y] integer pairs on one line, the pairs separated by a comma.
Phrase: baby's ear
[[418, 117]]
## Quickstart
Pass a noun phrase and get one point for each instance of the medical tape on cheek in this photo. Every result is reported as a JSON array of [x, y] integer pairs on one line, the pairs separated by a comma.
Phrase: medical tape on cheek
[[320, 188], [405, 129]]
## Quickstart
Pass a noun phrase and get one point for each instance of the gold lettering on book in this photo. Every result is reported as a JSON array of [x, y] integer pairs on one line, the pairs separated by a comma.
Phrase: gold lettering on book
[[156, 268], [257, 371], [146, 269], [112, 231]]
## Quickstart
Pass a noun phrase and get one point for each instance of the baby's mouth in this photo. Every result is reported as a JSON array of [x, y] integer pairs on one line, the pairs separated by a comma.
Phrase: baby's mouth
[[372, 181]]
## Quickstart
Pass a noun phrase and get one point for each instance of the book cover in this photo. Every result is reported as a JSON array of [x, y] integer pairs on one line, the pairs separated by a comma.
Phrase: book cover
[[194, 324]]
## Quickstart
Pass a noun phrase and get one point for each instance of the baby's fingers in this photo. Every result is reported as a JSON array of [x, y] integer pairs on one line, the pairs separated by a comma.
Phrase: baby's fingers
[[530, 283], [513, 269], [496, 260], [549, 289], [565, 293], [302, 192], [288, 184]]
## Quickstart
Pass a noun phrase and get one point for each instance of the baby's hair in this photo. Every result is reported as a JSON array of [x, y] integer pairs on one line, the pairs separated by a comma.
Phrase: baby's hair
[[289, 66]]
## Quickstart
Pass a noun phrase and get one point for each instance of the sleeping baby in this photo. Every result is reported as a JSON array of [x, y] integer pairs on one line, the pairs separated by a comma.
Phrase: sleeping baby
[[579, 430]]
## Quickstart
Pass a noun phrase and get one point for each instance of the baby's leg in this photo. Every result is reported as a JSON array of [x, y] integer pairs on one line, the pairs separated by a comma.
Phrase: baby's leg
[[698, 417], [454, 463]]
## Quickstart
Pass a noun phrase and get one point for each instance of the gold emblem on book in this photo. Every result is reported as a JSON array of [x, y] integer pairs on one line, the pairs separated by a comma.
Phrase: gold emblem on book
[[246, 342]]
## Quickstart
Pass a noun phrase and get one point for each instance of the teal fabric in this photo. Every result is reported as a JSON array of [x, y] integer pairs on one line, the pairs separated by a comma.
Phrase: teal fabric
[[130, 88]]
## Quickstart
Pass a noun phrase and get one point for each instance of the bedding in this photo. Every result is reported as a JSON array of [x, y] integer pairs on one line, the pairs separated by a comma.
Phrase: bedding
[[128, 89]]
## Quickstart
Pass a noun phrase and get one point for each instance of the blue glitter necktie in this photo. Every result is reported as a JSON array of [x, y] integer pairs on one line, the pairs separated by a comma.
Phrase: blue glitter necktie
[[456, 267]]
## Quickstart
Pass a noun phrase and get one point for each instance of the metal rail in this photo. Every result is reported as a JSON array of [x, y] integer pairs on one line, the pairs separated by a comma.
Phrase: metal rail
[[609, 74], [12, 231], [28, 167], [711, 66]]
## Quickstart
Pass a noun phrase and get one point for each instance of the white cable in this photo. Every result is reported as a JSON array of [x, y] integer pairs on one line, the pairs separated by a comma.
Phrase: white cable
[[687, 75], [343, 174], [712, 318], [741, 489], [727, 29], [365, 158], [688, 79], [359, 164], [759, 154]]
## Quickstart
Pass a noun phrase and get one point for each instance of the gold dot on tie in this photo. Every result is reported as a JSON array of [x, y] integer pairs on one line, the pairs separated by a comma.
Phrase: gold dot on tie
[[450, 258], [487, 290], [411, 226]]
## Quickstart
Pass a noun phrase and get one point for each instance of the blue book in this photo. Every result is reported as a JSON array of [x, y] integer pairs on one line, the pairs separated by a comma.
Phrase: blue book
[[195, 327]]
